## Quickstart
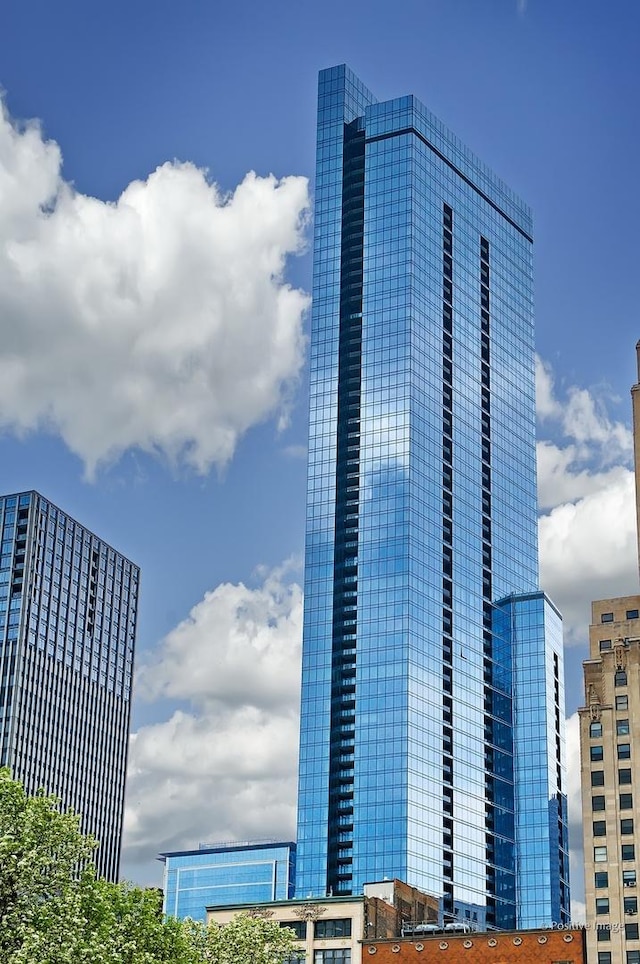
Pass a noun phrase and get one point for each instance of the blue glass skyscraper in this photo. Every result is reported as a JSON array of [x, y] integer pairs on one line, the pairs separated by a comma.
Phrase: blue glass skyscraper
[[432, 740], [68, 605]]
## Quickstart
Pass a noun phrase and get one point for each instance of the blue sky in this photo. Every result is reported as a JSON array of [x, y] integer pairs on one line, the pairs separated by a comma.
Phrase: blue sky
[[544, 92]]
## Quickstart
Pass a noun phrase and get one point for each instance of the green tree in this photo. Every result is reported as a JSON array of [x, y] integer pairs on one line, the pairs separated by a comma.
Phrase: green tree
[[54, 910], [248, 940]]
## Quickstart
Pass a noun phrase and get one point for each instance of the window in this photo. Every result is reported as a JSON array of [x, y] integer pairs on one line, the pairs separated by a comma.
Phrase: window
[[299, 928], [597, 803], [601, 879], [626, 825], [603, 932], [620, 679], [600, 855], [632, 613], [633, 957], [338, 927], [337, 955], [602, 905], [628, 851], [626, 801], [631, 905], [629, 878], [604, 645], [631, 932], [597, 778], [606, 618], [595, 729], [600, 828], [604, 957], [622, 727], [624, 775], [596, 753], [622, 702], [298, 957], [624, 751]]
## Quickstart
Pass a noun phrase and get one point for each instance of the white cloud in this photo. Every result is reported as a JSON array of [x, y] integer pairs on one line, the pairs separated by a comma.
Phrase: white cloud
[[161, 321], [588, 551], [580, 416], [562, 478], [587, 535], [226, 769]]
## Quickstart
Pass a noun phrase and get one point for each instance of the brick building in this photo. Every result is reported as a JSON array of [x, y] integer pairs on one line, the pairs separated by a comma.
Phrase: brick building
[[494, 947]]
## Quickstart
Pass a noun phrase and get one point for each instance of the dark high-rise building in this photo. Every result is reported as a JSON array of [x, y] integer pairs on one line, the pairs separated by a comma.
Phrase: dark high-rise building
[[432, 730], [68, 605]]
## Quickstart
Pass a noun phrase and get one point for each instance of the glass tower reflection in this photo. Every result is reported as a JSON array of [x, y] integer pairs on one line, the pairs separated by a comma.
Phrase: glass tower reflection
[[68, 605], [432, 666]]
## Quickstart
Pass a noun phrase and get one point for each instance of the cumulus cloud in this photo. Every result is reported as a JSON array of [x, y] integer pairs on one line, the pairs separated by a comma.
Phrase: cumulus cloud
[[588, 551], [225, 767], [589, 447], [587, 534], [161, 321]]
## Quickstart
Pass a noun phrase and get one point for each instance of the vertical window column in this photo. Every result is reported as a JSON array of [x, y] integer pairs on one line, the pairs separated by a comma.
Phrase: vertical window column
[[447, 558], [345, 562]]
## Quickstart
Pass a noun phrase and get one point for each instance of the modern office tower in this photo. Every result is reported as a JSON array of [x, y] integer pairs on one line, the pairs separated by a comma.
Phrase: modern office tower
[[256, 872], [432, 729], [68, 605], [610, 771]]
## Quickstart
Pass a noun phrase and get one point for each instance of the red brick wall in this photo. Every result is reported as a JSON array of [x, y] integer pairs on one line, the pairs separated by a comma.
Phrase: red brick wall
[[530, 947]]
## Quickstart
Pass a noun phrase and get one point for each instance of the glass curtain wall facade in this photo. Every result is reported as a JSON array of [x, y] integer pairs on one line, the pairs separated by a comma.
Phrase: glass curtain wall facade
[[421, 516], [68, 605], [227, 874]]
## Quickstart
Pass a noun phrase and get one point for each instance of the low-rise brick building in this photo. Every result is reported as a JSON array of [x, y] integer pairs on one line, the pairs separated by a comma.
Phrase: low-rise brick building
[[492, 947]]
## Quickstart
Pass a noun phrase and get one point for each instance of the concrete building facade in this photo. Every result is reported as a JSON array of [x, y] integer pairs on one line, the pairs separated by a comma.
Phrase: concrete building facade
[[610, 767], [332, 930]]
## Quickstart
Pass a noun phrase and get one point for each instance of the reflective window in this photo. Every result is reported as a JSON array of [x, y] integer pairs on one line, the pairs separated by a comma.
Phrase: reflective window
[[620, 678], [629, 878], [624, 751], [622, 727], [628, 851], [606, 618], [596, 753], [604, 645], [626, 801], [622, 703], [624, 775], [626, 825], [595, 729], [299, 927], [338, 927], [603, 932], [631, 905], [602, 905], [633, 957], [601, 879], [599, 828], [597, 778], [631, 932], [632, 613]]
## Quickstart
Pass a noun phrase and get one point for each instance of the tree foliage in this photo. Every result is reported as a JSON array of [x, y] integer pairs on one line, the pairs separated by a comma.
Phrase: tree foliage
[[54, 909]]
